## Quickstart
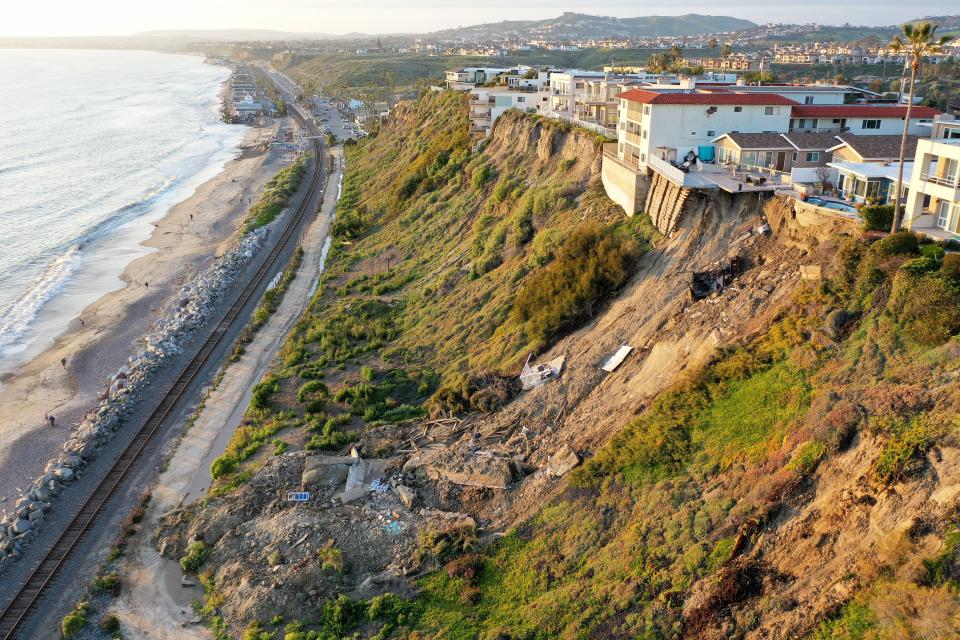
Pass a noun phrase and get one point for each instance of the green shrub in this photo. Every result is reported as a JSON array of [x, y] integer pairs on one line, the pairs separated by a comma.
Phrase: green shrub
[[806, 457], [902, 242], [927, 306], [197, 553], [107, 583], [74, 621], [222, 465], [110, 623], [275, 558], [279, 447], [903, 454], [877, 217], [933, 251], [262, 392], [591, 263], [481, 176], [950, 267], [331, 558]]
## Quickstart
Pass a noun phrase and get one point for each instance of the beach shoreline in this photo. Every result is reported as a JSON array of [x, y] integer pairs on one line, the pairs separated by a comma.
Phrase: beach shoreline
[[186, 240]]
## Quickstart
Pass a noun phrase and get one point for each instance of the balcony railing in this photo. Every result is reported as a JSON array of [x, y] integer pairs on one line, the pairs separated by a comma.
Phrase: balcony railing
[[944, 181]]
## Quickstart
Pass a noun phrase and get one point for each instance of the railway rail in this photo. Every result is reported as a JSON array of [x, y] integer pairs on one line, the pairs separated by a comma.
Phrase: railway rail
[[50, 565]]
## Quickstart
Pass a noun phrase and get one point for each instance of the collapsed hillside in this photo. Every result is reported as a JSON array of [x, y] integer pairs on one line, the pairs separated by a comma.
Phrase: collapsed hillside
[[771, 458]]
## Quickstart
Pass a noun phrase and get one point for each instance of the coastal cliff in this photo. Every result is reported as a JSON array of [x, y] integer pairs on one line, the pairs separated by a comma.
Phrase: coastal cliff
[[771, 460]]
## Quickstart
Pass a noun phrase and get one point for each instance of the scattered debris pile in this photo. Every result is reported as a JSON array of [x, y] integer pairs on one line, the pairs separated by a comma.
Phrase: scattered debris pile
[[705, 283]]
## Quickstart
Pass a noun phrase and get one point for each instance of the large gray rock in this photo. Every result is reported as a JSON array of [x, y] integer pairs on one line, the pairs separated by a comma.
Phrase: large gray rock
[[325, 471], [64, 474], [467, 469], [22, 526], [406, 494], [563, 461]]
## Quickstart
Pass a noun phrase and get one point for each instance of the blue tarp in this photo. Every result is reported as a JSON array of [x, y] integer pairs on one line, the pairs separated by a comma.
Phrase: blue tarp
[[705, 153]]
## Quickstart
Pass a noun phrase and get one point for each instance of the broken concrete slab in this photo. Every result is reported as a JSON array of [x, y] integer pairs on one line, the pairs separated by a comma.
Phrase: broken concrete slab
[[361, 476], [563, 461], [477, 469], [325, 471], [811, 272]]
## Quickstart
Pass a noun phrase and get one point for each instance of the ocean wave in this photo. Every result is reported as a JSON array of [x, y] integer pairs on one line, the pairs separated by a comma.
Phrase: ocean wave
[[16, 318]]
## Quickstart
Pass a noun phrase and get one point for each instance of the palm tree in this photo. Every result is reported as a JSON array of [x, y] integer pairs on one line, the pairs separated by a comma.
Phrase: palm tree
[[918, 41], [713, 44]]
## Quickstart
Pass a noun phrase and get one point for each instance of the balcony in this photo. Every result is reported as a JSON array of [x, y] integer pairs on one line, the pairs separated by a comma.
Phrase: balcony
[[944, 181]]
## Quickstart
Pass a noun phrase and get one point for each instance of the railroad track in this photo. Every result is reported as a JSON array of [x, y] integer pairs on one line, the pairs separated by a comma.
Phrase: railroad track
[[49, 567]]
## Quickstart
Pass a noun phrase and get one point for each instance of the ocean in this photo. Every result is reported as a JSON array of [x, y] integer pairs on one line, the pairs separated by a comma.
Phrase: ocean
[[94, 147]]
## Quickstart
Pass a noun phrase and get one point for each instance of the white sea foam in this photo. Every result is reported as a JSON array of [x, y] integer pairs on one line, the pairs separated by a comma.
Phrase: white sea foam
[[124, 137], [16, 318]]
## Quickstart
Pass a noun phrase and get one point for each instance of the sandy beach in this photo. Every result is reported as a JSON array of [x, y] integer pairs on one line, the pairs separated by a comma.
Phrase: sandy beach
[[97, 342]]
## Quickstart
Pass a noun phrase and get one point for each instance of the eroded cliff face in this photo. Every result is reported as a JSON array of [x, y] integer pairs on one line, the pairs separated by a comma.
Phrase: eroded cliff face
[[733, 470]]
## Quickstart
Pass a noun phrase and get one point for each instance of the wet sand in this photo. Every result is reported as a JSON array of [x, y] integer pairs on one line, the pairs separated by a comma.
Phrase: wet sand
[[113, 324]]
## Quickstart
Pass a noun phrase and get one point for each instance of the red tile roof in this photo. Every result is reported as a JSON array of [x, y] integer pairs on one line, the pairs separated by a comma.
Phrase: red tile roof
[[860, 111], [732, 98]]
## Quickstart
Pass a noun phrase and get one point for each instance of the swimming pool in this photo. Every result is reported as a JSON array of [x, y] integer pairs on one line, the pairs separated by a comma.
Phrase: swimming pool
[[832, 204]]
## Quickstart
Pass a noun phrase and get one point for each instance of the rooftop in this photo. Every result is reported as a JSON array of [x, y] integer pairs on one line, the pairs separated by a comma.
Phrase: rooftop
[[811, 141], [860, 111], [876, 147], [700, 98], [757, 140]]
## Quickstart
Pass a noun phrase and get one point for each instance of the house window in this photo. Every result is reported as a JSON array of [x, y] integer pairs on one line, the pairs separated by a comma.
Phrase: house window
[[737, 109], [644, 134], [711, 134], [521, 99], [643, 157], [807, 99], [813, 156], [693, 134], [871, 124], [771, 111], [794, 156], [646, 109]]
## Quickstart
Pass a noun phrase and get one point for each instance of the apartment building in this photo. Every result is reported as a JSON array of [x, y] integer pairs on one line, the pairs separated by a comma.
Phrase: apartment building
[[489, 103], [465, 78], [669, 125], [861, 119], [933, 195]]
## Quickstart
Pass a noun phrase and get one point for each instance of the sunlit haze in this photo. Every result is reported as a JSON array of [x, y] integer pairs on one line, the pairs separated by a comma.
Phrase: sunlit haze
[[125, 17]]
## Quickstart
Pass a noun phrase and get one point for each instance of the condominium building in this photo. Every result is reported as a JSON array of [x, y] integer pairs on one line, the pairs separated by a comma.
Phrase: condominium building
[[933, 197]]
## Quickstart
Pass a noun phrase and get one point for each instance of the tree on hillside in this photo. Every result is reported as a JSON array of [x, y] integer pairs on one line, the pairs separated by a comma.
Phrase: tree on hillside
[[918, 41], [713, 44], [727, 51]]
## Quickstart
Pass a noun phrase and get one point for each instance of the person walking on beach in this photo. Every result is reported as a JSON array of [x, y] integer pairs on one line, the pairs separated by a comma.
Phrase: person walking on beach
[[63, 361], [146, 284], [53, 421]]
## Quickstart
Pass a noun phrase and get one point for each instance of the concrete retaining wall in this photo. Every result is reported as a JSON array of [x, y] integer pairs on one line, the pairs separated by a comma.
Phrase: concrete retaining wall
[[623, 184]]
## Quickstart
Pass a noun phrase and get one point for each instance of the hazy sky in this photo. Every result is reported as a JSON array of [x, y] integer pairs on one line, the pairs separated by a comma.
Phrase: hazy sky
[[123, 17]]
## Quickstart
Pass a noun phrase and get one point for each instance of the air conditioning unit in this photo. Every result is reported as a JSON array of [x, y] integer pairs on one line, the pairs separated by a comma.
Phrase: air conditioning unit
[[711, 111]]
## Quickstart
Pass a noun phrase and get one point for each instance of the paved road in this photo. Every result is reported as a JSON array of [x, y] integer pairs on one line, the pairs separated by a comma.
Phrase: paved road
[[70, 584]]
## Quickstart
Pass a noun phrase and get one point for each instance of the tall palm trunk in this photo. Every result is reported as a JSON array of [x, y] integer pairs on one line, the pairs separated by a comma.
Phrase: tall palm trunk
[[903, 150]]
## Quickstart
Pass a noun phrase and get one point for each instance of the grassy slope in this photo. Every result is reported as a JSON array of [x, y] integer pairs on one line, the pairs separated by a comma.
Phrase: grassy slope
[[659, 507], [435, 242]]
